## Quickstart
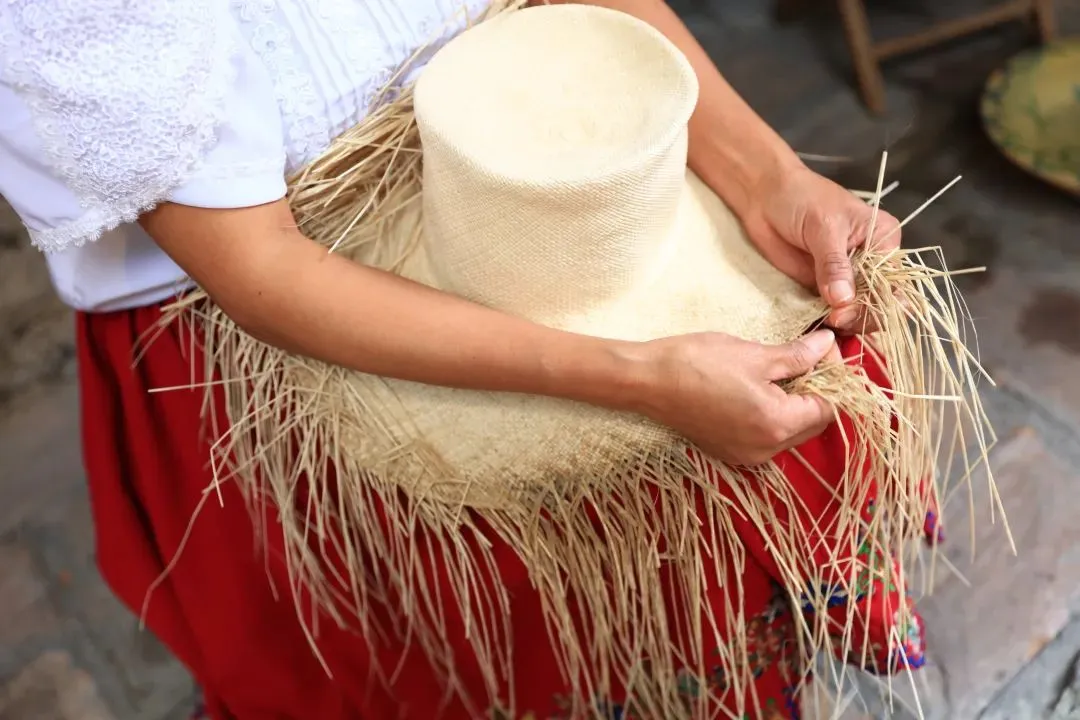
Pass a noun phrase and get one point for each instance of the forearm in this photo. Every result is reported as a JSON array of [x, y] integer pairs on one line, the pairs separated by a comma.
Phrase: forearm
[[289, 292], [731, 148], [379, 323]]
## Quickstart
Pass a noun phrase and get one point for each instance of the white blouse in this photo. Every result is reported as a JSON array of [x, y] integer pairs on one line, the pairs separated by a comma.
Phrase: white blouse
[[108, 107]]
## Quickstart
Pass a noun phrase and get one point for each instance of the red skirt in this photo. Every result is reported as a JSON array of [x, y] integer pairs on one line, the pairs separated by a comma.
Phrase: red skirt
[[224, 607]]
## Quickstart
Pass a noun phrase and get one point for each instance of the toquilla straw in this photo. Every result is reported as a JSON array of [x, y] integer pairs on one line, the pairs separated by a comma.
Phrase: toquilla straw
[[292, 418]]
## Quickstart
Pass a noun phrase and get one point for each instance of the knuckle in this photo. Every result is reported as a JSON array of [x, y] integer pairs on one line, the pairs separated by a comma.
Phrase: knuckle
[[829, 221], [832, 227], [886, 234], [759, 356], [770, 429], [886, 223], [798, 356], [836, 262], [777, 436]]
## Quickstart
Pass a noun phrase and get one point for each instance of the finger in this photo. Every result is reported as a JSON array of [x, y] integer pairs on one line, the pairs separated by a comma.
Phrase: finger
[[835, 277], [833, 356], [858, 319], [810, 434], [886, 233], [799, 356], [853, 319], [827, 239], [806, 416]]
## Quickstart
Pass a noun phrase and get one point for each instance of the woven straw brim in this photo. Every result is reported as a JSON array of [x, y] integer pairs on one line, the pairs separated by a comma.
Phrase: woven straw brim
[[497, 450], [327, 448]]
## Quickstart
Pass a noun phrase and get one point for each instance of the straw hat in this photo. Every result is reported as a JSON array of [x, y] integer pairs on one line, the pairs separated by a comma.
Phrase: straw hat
[[555, 188], [538, 166]]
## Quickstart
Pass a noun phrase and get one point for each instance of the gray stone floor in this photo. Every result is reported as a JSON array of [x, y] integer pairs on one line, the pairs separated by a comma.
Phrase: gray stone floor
[[1005, 650]]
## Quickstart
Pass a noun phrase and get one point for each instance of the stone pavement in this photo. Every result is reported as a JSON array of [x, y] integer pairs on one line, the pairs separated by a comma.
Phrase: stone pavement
[[68, 650], [36, 343], [1005, 649]]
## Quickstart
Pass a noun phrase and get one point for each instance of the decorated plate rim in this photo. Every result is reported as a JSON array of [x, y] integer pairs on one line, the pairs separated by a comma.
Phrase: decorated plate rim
[[993, 112]]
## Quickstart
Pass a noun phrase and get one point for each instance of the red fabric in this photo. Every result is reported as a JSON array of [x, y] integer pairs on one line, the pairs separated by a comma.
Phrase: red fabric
[[224, 608]]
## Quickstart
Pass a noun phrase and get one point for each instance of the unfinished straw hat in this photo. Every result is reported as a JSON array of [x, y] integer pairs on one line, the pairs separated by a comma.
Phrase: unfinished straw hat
[[561, 194], [565, 199]]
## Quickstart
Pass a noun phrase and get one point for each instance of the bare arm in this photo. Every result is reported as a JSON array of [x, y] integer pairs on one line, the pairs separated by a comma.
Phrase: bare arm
[[718, 391], [289, 292], [731, 148]]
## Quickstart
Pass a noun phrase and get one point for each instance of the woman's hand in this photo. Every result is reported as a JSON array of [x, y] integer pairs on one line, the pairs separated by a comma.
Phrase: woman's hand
[[284, 289], [804, 224], [721, 393], [807, 225]]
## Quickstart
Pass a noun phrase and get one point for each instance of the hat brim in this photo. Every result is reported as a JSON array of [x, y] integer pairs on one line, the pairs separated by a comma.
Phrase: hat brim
[[491, 447]]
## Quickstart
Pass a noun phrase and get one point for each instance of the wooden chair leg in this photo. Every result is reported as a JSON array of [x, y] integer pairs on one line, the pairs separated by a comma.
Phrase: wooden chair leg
[[861, 45], [1046, 20], [786, 11]]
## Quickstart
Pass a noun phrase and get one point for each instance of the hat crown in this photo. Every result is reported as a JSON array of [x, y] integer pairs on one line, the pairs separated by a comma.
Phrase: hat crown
[[554, 143]]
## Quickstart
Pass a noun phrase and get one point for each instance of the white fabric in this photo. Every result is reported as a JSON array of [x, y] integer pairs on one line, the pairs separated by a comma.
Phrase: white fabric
[[108, 107]]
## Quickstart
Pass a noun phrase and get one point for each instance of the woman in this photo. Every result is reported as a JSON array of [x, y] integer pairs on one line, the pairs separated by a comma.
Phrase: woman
[[148, 144]]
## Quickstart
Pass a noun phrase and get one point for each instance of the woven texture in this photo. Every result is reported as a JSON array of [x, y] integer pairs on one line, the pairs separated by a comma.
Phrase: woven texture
[[539, 167], [565, 201]]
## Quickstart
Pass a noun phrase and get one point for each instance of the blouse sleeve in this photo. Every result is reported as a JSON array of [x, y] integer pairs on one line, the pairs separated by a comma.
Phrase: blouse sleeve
[[109, 107]]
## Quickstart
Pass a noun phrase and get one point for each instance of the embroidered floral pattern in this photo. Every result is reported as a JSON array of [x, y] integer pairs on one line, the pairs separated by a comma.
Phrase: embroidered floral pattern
[[128, 98], [306, 128], [771, 648], [890, 636], [118, 142]]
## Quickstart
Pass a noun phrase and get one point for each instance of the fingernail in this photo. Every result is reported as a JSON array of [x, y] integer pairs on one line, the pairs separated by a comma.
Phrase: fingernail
[[845, 316], [820, 341], [840, 291]]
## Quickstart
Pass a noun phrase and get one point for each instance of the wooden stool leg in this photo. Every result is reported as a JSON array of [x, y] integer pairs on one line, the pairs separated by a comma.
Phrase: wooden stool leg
[[861, 46], [1045, 20], [786, 11]]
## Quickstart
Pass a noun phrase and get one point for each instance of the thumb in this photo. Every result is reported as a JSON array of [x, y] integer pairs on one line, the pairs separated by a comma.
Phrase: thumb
[[800, 356], [832, 266]]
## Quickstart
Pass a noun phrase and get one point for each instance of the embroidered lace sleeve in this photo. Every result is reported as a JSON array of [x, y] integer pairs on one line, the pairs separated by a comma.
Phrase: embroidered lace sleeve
[[128, 104]]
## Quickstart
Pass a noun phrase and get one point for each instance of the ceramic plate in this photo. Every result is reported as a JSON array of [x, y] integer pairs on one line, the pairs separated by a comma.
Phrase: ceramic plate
[[1031, 110]]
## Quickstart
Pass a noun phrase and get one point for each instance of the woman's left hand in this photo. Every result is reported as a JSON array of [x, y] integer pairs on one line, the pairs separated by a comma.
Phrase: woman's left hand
[[806, 225]]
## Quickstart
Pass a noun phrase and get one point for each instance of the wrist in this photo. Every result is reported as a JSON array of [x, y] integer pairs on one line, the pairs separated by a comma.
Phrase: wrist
[[751, 175], [613, 374], [743, 162], [636, 383]]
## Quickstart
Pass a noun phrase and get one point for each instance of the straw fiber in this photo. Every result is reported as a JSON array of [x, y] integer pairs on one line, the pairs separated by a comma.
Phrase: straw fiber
[[370, 475]]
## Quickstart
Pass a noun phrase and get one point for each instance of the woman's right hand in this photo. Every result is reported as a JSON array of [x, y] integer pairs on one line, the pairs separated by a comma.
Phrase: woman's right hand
[[721, 393]]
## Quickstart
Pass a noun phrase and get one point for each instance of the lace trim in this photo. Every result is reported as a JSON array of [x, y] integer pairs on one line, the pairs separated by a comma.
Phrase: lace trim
[[93, 224], [126, 98]]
